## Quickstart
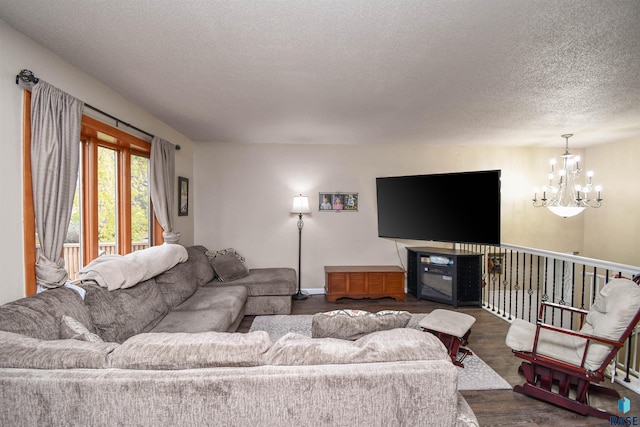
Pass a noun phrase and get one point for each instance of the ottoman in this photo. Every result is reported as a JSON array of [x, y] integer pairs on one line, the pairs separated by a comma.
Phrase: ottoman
[[453, 329]]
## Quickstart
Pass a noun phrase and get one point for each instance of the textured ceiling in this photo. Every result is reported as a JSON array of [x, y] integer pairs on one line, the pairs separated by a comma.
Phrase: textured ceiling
[[491, 72]]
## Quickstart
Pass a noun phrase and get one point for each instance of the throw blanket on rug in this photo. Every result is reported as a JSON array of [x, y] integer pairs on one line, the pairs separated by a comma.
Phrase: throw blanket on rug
[[120, 272]]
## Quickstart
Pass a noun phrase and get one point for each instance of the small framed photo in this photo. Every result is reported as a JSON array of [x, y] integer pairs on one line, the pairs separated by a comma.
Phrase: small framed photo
[[183, 196], [495, 263], [338, 202]]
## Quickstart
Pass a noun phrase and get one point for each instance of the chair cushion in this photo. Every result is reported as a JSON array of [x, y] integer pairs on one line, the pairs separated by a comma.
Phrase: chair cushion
[[611, 312], [448, 322], [553, 344]]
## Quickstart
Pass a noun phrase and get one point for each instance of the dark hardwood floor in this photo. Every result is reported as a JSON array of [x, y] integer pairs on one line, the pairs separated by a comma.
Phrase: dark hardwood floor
[[492, 407]]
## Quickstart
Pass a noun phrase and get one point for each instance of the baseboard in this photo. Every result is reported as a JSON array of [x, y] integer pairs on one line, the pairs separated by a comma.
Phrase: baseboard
[[314, 291]]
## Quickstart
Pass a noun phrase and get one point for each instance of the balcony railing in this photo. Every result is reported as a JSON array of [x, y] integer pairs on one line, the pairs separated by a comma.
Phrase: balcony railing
[[72, 258], [516, 279]]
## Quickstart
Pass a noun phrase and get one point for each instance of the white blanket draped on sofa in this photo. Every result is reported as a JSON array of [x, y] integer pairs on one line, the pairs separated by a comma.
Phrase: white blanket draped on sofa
[[120, 272]]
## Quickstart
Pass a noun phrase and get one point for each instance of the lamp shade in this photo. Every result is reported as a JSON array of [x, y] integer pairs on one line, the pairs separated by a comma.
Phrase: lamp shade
[[300, 205]]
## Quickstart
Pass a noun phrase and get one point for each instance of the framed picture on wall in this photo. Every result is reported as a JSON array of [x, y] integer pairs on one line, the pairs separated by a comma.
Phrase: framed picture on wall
[[183, 196], [495, 263], [338, 202]]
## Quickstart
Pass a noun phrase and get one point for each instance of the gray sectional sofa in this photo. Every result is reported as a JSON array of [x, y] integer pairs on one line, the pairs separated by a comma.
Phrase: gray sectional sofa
[[158, 353], [184, 298]]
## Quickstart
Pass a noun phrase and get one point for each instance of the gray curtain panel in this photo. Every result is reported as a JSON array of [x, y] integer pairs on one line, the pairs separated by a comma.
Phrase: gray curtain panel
[[56, 119], [162, 185]]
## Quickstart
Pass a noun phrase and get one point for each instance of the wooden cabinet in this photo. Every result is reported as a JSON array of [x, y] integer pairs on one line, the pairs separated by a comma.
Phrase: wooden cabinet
[[450, 276], [364, 282]]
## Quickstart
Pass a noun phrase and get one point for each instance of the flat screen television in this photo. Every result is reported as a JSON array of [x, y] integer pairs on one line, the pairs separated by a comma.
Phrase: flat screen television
[[450, 207]]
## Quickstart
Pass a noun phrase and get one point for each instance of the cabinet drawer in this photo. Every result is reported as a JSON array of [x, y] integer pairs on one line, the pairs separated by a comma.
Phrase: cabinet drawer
[[394, 282], [337, 282], [357, 282]]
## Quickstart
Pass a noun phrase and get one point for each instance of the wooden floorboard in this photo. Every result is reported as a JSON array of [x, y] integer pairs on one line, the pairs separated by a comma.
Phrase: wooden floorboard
[[487, 340]]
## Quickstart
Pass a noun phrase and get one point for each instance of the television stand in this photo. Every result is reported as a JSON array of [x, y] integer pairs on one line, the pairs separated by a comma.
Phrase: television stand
[[450, 276]]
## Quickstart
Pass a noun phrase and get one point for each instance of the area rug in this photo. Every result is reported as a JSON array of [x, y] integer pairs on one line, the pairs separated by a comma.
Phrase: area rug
[[476, 375]]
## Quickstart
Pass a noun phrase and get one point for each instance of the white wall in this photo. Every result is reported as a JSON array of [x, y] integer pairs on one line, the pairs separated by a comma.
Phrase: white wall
[[19, 52], [612, 232], [243, 194]]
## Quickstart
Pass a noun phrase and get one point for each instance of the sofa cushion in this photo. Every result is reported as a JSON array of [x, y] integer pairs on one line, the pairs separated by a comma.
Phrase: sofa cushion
[[180, 282], [191, 351], [403, 344], [38, 316], [353, 324], [70, 328], [208, 309], [195, 321], [231, 298], [200, 263], [267, 281], [119, 314], [20, 351]]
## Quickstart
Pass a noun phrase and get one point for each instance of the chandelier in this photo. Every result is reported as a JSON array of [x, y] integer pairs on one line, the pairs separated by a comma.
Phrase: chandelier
[[563, 195]]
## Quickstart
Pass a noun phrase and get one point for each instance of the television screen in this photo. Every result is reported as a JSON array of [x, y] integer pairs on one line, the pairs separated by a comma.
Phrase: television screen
[[451, 207]]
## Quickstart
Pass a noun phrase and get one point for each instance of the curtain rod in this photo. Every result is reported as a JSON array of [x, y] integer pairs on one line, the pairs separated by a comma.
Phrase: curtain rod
[[28, 79]]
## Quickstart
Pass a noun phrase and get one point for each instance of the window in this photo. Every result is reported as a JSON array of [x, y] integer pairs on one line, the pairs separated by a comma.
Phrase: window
[[115, 196], [112, 212]]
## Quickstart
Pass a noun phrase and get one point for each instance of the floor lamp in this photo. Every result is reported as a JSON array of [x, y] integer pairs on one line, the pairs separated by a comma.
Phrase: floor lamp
[[300, 206]]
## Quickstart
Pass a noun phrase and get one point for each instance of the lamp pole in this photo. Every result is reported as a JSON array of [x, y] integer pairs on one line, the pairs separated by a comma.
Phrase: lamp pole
[[299, 295], [300, 206]]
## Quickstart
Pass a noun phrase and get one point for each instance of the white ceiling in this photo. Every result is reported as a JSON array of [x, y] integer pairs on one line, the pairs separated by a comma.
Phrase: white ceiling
[[491, 72]]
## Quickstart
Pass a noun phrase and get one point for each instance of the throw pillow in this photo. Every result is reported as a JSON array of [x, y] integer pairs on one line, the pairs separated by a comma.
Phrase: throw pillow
[[70, 328], [213, 254], [353, 324], [229, 268], [228, 264]]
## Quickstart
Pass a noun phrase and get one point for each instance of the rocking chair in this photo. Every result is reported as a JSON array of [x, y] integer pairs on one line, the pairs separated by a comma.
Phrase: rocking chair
[[562, 366]]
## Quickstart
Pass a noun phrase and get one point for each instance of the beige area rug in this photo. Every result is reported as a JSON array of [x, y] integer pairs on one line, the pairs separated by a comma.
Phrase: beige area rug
[[476, 375]]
